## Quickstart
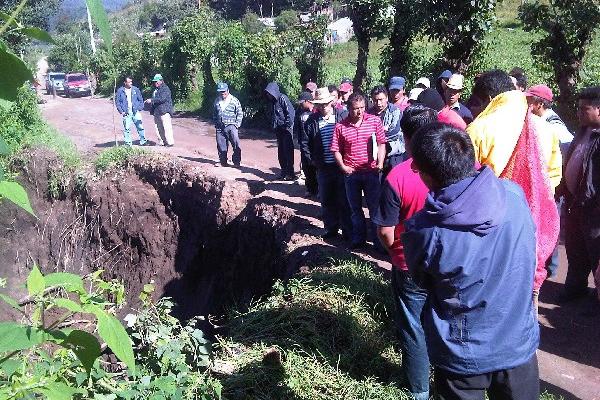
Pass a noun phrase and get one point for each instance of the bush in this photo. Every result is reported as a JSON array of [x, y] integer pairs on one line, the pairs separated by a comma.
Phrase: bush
[[116, 157]]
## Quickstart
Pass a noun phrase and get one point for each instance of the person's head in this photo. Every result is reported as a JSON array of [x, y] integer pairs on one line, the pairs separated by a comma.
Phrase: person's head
[[443, 79], [423, 83], [356, 106], [539, 99], [157, 80], [345, 90], [490, 84], [520, 80], [223, 89], [432, 99], [414, 118], [588, 111], [311, 87], [305, 101], [323, 102], [454, 88], [442, 154], [396, 88], [128, 82], [379, 96], [333, 90]]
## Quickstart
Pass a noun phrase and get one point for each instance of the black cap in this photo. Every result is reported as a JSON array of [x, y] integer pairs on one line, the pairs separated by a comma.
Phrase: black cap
[[432, 99], [305, 96]]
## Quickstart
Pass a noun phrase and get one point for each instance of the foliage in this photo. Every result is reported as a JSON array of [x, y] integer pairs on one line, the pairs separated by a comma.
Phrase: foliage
[[309, 49], [116, 157], [251, 23], [285, 21], [156, 14], [34, 14], [71, 52], [230, 54]]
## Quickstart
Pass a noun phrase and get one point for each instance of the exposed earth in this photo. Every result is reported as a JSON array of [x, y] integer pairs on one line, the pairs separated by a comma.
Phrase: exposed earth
[[569, 352]]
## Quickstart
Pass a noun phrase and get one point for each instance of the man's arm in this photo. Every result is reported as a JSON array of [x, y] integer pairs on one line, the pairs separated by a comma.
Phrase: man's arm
[[335, 148], [340, 162], [118, 102], [289, 112], [161, 96], [387, 215], [381, 141], [239, 113], [380, 155]]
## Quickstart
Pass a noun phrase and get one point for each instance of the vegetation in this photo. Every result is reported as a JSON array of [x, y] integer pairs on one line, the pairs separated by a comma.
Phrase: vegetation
[[117, 157]]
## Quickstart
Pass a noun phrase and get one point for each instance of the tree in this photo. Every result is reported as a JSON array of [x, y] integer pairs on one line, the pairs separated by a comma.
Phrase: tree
[[309, 51], [285, 21], [35, 13], [251, 23], [567, 28]]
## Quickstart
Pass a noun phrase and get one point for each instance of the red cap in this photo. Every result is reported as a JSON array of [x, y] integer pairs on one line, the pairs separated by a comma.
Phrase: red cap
[[541, 91], [345, 87]]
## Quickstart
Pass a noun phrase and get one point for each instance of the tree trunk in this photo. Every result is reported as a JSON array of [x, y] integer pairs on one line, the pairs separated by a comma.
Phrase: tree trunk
[[399, 46], [361, 60], [567, 77]]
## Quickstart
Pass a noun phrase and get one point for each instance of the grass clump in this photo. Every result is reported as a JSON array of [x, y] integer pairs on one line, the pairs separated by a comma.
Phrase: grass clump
[[116, 157], [327, 334]]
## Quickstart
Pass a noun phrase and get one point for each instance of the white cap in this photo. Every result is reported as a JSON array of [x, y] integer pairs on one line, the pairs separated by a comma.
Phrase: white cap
[[423, 81], [456, 82], [414, 93]]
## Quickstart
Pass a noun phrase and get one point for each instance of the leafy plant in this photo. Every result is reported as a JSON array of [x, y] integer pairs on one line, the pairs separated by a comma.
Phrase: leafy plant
[[117, 157]]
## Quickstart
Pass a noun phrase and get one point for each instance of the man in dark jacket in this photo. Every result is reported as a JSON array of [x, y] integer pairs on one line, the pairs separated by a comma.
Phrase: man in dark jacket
[[129, 102], [473, 248], [316, 150], [282, 114], [304, 110], [581, 188], [162, 109]]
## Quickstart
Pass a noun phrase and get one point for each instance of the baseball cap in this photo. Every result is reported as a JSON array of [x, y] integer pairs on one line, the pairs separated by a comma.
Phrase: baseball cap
[[397, 83], [414, 93], [305, 96], [541, 91], [222, 87], [311, 86], [345, 87], [456, 82], [432, 99], [346, 80], [157, 77], [446, 74], [423, 81]]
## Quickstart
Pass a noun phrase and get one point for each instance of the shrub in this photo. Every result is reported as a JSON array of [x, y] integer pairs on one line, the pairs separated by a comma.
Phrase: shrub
[[116, 157]]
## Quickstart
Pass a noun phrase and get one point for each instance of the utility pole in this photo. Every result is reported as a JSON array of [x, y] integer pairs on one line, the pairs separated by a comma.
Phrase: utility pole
[[92, 42]]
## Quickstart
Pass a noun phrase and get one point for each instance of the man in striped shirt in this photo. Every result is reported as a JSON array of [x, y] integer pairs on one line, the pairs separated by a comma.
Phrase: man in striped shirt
[[353, 143], [227, 116]]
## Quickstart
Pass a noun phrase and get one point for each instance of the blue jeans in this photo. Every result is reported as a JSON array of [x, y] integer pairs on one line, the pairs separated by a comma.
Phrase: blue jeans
[[356, 184], [332, 194], [552, 263], [410, 300], [136, 119]]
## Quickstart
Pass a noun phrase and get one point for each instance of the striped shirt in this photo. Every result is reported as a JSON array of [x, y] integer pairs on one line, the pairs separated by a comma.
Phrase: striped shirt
[[356, 144], [326, 128], [231, 115]]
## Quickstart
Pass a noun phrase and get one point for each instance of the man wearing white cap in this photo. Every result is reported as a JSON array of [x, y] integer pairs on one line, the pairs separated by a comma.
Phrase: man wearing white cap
[[452, 92]]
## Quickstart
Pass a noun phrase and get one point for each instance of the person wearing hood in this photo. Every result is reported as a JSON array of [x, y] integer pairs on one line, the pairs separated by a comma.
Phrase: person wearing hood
[[473, 248], [283, 114]]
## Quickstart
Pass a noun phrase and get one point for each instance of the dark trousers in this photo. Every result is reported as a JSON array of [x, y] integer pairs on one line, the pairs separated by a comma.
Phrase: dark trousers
[[582, 243], [285, 151], [356, 184], [519, 383], [310, 176], [334, 204], [410, 300], [226, 136], [390, 163]]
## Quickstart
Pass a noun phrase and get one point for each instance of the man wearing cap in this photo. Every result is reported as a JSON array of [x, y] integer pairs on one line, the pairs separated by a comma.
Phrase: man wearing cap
[[283, 114], [423, 83], [162, 108], [397, 95], [442, 81], [432, 99], [316, 150], [129, 102], [311, 88], [304, 110], [345, 90], [227, 116], [453, 91], [390, 118]]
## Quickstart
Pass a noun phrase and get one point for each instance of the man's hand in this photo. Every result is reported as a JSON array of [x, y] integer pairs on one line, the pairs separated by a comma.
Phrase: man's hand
[[347, 170]]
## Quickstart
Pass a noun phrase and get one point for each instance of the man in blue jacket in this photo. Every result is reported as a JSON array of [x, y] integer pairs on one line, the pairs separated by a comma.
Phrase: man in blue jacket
[[283, 115], [129, 102], [472, 247]]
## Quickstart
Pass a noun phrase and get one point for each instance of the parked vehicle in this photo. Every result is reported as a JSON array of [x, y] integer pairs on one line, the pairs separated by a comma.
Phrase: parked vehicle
[[56, 79], [77, 84]]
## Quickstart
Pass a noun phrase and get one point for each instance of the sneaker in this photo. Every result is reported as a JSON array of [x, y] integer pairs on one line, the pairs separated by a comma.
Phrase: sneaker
[[169, 145], [143, 144]]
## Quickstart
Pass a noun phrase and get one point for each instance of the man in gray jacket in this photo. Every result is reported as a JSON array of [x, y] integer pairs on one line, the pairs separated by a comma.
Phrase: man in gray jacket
[[162, 109], [227, 116]]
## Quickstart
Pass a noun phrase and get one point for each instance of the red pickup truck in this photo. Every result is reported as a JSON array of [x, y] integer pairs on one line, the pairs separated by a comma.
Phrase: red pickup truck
[[77, 84]]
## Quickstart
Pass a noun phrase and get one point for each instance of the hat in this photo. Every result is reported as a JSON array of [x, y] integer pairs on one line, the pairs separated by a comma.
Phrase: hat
[[456, 82], [222, 87], [311, 86], [414, 93], [423, 81], [346, 80], [345, 87], [446, 74], [157, 77], [432, 99], [322, 96], [541, 91], [305, 96], [397, 83]]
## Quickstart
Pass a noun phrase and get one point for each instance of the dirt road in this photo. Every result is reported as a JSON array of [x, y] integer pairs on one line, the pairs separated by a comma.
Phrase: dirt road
[[570, 335]]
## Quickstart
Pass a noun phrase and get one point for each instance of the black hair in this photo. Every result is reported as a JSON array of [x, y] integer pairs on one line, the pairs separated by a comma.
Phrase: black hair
[[127, 77], [443, 152], [355, 97], [379, 89], [332, 88], [415, 117], [519, 75], [591, 94], [492, 83], [547, 104]]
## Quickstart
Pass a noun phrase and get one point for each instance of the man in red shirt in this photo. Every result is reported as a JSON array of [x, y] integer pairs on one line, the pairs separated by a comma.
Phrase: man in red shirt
[[354, 143], [403, 193]]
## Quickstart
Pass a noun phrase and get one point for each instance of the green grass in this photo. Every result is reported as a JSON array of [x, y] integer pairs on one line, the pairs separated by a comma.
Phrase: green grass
[[116, 157]]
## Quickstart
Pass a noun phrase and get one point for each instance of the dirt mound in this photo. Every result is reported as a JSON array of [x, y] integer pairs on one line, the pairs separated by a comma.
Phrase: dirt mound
[[205, 242]]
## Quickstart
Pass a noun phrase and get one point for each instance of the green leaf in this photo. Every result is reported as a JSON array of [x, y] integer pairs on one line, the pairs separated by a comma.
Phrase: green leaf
[[67, 280], [14, 74], [10, 366], [115, 336], [4, 150], [100, 18], [68, 304], [37, 34], [12, 302], [59, 391], [12, 190], [85, 345], [14, 336], [35, 281]]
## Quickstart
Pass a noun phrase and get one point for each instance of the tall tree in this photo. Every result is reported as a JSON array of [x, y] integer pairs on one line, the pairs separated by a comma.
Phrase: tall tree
[[36, 13], [567, 28]]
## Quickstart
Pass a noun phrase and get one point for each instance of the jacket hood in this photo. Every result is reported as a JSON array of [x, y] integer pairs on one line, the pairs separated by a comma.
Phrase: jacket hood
[[273, 89], [476, 204]]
